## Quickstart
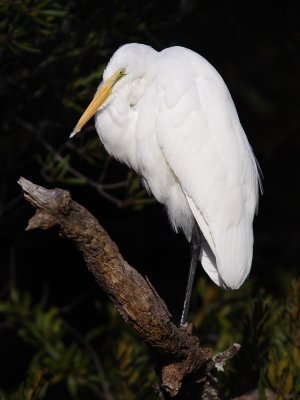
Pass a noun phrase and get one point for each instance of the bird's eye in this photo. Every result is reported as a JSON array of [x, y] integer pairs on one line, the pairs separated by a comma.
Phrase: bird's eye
[[122, 72]]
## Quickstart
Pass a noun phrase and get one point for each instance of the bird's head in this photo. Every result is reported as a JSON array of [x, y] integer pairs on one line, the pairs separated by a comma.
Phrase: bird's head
[[129, 63]]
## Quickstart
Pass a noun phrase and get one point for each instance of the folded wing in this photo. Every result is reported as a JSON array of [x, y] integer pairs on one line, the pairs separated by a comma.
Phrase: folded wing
[[199, 133]]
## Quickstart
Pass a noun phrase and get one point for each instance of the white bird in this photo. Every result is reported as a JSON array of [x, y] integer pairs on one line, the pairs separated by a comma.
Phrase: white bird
[[170, 117]]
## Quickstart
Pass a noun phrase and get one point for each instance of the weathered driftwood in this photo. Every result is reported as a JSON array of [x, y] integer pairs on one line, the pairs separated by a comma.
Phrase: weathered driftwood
[[183, 367]]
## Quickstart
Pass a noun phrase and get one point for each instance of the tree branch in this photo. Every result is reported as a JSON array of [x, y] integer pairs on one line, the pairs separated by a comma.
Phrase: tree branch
[[183, 367]]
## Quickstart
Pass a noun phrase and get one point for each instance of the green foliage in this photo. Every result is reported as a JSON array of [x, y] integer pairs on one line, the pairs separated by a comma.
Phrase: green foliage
[[25, 22], [55, 359], [55, 53], [62, 356], [281, 373], [131, 371], [34, 388], [110, 359], [268, 329]]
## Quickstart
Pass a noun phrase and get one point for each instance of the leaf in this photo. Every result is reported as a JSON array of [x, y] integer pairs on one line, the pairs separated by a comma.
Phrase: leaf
[[14, 295], [25, 46], [281, 366], [288, 384], [296, 356], [53, 13]]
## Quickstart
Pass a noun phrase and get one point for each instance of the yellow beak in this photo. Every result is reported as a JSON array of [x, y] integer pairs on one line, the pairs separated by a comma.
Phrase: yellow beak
[[102, 94]]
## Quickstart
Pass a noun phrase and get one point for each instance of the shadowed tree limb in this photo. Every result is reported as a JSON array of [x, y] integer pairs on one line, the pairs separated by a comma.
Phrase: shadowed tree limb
[[183, 367]]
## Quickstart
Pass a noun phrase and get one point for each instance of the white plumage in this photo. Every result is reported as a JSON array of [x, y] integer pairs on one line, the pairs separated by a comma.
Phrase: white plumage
[[170, 117]]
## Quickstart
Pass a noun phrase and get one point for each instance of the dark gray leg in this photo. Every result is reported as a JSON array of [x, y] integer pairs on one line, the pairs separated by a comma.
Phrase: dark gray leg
[[195, 246]]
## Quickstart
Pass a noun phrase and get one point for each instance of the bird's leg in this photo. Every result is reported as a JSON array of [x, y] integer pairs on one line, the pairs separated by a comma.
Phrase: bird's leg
[[195, 246]]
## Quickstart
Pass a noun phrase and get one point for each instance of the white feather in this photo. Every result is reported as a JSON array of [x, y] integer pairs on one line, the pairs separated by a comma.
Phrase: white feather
[[172, 119]]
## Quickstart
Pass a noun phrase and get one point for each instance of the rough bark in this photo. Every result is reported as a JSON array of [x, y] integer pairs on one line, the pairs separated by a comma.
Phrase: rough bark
[[183, 367]]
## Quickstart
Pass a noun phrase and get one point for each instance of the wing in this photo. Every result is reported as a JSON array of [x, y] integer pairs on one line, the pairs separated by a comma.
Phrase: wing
[[199, 133]]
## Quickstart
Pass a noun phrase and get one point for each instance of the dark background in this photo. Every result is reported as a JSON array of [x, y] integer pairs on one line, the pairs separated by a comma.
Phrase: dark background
[[256, 50]]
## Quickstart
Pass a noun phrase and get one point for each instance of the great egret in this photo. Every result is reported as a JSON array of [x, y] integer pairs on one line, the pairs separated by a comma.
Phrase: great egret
[[170, 117]]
